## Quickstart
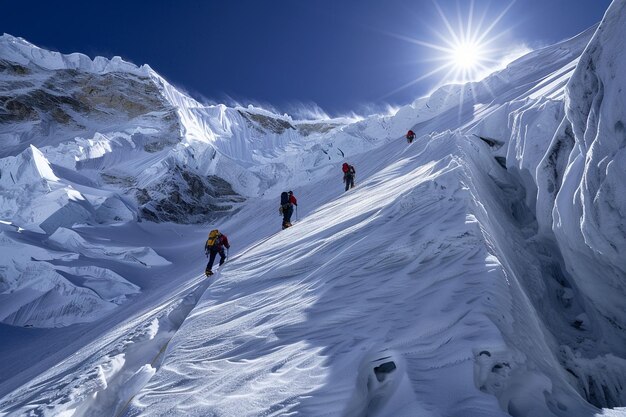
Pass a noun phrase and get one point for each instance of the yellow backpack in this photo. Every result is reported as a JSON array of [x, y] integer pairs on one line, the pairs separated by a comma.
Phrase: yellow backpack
[[213, 238]]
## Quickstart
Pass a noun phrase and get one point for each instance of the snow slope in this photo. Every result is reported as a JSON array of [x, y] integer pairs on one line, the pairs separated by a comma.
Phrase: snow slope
[[300, 323], [468, 274]]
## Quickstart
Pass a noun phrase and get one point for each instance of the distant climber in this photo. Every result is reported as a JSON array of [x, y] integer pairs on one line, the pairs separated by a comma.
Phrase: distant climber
[[287, 201], [410, 135], [348, 175], [215, 244]]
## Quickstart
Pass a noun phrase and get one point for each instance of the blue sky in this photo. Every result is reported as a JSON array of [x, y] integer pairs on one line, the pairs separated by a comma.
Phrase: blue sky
[[341, 55]]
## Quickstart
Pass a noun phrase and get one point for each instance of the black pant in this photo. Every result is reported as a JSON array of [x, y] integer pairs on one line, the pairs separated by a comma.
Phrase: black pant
[[212, 255], [349, 180], [287, 212]]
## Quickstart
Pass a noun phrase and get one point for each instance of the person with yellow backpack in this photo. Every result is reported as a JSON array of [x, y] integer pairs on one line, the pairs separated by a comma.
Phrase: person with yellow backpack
[[215, 244]]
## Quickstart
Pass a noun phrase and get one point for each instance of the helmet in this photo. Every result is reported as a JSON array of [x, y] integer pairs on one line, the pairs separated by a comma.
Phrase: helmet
[[290, 192]]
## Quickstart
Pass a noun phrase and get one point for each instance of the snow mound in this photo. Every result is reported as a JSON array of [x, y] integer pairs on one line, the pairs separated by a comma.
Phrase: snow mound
[[118, 365], [69, 240], [30, 166], [39, 294], [35, 198]]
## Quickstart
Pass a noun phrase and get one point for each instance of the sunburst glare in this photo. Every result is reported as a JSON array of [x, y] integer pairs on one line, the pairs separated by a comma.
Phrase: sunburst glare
[[462, 52], [466, 55]]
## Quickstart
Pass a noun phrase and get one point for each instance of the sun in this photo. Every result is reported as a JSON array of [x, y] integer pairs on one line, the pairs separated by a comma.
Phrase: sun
[[464, 51], [467, 56], [461, 49]]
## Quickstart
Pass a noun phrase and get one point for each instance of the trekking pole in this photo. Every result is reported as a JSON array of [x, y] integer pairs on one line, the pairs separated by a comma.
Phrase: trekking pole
[[296, 213]]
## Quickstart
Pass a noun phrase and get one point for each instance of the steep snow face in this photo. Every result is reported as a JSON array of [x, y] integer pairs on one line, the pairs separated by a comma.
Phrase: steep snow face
[[409, 295], [338, 344], [251, 148], [161, 154], [590, 205], [564, 147], [70, 128], [75, 123]]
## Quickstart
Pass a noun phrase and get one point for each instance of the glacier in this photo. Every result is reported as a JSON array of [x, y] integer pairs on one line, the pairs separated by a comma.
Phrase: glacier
[[478, 271]]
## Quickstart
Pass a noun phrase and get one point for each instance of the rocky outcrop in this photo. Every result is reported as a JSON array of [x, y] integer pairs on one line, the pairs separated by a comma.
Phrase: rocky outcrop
[[186, 197], [266, 123]]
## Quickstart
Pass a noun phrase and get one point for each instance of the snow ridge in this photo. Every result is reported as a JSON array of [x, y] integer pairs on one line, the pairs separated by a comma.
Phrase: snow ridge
[[23, 52]]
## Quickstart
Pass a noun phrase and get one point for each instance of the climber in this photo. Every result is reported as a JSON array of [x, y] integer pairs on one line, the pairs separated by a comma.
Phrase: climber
[[215, 244], [287, 201], [410, 135], [348, 175]]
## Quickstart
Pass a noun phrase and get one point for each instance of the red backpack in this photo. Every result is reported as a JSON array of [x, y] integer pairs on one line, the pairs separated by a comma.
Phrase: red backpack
[[345, 167]]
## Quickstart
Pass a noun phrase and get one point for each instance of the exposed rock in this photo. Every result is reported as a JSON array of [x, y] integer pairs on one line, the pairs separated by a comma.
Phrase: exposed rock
[[142, 196], [261, 122], [306, 129], [16, 111], [14, 85], [62, 100], [12, 68], [186, 197], [120, 180]]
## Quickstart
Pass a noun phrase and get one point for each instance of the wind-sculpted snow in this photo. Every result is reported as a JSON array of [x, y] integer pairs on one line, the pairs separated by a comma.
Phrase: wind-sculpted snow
[[24, 53], [250, 147], [565, 149], [35, 198], [69, 240], [396, 299], [117, 366], [536, 119], [589, 213], [40, 294]]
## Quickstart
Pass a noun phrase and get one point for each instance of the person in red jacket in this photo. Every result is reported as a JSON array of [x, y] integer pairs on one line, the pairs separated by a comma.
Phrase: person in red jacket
[[410, 135], [348, 175], [215, 244], [287, 208]]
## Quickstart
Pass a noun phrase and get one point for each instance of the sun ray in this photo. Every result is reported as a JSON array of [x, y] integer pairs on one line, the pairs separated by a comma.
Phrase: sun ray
[[486, 32], [417, 41], [470, 19], [463, 48], [455, 39], [415, 81]]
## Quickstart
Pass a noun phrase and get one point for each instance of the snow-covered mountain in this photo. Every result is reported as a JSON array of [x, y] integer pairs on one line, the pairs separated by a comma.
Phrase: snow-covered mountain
[[478, 271]]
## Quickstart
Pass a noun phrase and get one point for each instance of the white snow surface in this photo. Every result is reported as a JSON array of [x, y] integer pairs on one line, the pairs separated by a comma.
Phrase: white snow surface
[[23, 52], [478, 271]]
